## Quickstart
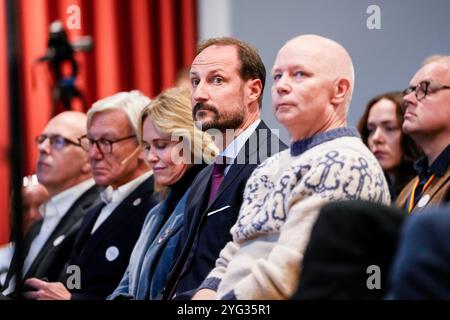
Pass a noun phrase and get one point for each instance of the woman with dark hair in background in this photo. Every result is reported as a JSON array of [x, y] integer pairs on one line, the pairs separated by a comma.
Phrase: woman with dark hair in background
[[381, 130]]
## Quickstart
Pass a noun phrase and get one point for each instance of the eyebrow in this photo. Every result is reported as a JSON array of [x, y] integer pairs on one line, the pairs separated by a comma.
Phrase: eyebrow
[[383, 122], [290, 67], [105, 136]]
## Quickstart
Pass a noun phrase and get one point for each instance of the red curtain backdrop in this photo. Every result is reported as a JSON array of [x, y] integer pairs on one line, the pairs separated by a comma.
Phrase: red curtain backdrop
[[4, 130], [138, 44]]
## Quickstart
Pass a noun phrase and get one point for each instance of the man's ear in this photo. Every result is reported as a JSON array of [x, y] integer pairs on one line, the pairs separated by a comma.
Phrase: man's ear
[[255, 89], [341, 90]]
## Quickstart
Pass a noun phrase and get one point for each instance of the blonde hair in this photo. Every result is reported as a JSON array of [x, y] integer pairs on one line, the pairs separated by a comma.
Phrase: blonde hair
[[132, 103], [171, 113]]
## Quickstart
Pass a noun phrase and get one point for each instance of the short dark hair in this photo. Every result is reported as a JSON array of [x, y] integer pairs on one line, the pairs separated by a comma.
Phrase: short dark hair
[[252, 66]]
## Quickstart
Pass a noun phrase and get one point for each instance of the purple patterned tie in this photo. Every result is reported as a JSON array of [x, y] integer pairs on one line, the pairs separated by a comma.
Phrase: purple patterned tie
[[217, 178]]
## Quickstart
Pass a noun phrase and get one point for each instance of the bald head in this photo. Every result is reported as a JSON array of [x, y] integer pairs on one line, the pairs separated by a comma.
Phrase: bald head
[[440, 59], [62, 163], [73, 121], [313, 81], [329, 58]]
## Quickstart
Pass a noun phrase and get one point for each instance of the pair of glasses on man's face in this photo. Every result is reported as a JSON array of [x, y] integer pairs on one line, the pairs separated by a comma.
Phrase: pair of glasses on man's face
[[104, 145], [424, 88], [57, 142]]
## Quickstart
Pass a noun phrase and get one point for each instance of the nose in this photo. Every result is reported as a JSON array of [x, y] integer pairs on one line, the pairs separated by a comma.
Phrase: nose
[[151, 157], [282, 85], [409, 99], [44, 146], [378, 136], [95, 153], [200, 92]]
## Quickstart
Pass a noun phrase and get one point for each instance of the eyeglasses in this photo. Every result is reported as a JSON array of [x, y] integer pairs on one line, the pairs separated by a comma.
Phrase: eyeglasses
[[424, 88], [56, 141], [104, 145]]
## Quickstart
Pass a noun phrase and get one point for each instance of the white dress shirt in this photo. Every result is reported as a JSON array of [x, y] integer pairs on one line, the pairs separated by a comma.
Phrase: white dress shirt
[[52, 212], [232, 150], [113, 197]]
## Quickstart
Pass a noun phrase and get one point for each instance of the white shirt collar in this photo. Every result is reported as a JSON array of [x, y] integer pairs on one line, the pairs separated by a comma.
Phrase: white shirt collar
[[110, 195], [232, 150], [61, 203]]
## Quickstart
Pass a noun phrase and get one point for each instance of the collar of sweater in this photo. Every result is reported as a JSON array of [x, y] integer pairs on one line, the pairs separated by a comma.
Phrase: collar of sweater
[[300, 146]]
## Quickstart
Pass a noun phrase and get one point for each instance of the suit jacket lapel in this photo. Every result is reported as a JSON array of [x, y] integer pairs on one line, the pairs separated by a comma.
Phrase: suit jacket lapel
[[28, 240], [145, 189], [68, 221], [439, 184], [79, 208], [200, 194], [251, 146], [86, 228]]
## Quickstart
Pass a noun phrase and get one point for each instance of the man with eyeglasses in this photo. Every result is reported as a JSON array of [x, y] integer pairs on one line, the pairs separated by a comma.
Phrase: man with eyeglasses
[[427, 122], [109, 231], [63, 169]]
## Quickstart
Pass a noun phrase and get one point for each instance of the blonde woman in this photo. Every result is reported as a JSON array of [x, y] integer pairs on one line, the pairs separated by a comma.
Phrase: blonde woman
[[177, 151]]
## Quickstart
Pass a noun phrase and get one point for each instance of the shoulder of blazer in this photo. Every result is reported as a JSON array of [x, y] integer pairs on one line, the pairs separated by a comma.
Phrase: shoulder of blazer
[[66, 228], [261, 144], [145, 187], [404, 194], [145, 190]]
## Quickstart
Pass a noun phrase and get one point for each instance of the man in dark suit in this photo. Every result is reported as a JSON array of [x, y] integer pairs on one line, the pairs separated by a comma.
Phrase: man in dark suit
[[64, 170], [109, 231], [227, 78]]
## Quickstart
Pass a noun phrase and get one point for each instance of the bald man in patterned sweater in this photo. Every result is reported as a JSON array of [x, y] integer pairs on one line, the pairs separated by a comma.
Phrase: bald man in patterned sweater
[[313, 80]]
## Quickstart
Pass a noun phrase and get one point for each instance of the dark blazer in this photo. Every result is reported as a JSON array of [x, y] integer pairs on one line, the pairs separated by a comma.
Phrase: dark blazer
[[153, 255], [103, 257], [421, 269], [347, 238], [206, 229], [54, 254]]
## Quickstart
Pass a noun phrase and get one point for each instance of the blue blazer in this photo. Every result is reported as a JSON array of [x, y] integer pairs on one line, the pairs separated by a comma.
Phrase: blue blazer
[[103, 256], [206, 228], [154, 254]]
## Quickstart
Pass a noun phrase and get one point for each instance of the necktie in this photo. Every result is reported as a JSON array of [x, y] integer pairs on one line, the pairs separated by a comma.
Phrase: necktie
[[217, 178]]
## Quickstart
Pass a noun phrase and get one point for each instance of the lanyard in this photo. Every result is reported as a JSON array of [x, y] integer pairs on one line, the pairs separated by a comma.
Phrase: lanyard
[[413, 192]]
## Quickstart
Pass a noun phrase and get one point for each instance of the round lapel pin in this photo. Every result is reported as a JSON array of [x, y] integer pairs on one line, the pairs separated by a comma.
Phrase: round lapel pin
[[423, 201], [58, 240], [112, 253]]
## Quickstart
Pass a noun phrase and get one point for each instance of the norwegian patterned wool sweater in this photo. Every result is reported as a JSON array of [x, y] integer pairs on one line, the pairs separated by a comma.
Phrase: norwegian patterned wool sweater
[[282, 199]]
